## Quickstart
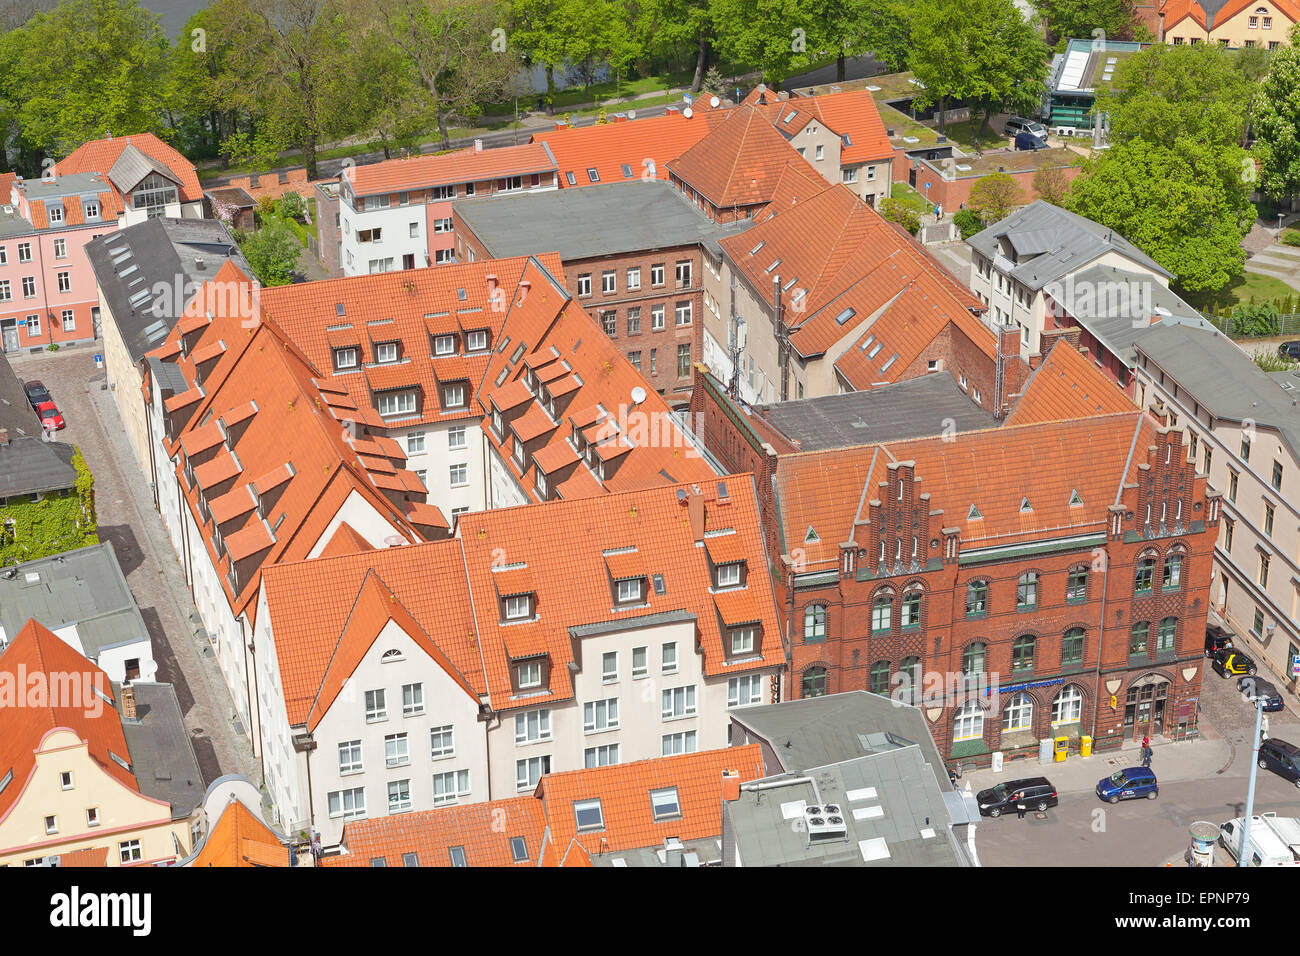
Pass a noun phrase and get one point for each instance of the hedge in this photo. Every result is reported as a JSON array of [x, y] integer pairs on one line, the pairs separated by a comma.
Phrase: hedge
[[38, 529]]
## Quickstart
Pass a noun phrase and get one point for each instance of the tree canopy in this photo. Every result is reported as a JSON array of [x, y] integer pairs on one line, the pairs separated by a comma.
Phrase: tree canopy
[[1277, 124]]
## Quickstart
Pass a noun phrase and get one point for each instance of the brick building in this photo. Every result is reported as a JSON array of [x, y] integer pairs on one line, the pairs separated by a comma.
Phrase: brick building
[[632, 255], [1071, 593]]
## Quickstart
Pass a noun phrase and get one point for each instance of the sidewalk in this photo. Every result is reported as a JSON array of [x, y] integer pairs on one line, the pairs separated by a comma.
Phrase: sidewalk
[[1197, 759]]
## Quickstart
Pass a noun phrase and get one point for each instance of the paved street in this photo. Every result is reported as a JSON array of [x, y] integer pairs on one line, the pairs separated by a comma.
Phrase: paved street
[[1204, 779], [127, 519]]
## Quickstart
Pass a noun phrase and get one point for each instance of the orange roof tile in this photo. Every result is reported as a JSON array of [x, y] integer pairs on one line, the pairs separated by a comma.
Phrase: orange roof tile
[[1067, 385], [240, 839], [852, 114], [641, 145], [483, 831], [346, 540], [739, 163], [459, 166], [89, 857], [36, 650], [98, 156]]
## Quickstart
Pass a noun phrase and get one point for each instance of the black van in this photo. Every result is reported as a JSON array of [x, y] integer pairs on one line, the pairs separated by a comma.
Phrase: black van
[[1036, 793], [1282, 758]]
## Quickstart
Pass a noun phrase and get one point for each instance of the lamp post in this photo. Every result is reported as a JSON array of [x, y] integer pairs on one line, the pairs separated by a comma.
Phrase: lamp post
[[1243, 854], [1279, 225]]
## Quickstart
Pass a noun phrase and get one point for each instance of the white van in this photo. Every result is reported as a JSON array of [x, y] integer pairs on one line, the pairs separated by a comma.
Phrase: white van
[[1275, 841]]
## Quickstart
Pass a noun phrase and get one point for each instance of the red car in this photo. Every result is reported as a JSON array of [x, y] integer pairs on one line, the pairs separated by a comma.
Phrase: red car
[[51, 419]]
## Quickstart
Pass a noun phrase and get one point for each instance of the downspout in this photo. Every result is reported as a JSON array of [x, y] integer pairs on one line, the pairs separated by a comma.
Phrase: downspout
[[248, 684], [782, 340], [153, 466], [257, 704], [1101, 633]]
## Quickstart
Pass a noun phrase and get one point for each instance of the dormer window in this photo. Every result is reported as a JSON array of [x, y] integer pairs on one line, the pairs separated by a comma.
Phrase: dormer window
[[345, 359], [629, 590], [728, 575], [476, 342], [518, 607], [743, 639], [397, 403], [386, 352], [444, 345], [56, 215], [529, 674], [453, 396], [92, 210]]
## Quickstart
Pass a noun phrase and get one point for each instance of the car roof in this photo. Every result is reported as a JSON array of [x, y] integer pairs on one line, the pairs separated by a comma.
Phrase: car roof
[[1029, 782], [1282, 745], [1138, 772]]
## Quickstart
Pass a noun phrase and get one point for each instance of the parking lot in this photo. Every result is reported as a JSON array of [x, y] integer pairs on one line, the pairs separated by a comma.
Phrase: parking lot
[[127, 518]]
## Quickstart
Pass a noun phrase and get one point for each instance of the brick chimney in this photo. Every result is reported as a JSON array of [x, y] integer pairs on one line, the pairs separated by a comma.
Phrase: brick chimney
[[730, 785], [127, 699], [478, 145], [4, 438], [693, 501]]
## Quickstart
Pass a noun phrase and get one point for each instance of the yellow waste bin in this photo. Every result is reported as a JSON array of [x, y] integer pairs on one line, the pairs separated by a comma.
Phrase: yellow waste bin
[[1062, 748], [1085, 746]]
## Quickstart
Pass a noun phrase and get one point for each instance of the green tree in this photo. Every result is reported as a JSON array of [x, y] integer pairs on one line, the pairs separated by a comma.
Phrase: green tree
[[1186, 206], [979, 51], [86, 69], [777, 36], [669, 26], [967, 222], [1277, 124], [994, 196], [386, 92], [273, 253], [1254, 320], [1068, 19], [1165, 93], [1051, 184], [208, 73], [901, 213], [887, 32]]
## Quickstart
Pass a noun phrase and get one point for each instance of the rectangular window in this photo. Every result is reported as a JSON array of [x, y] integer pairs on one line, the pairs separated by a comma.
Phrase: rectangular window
[[668, 658], [415, 443], [69, 320], [92, 817], [728, 575], [345, 358], [588, 815], [629, 590], [386, 352], [456, 437], [743, 640], [683, 743], [459, 475], [129, 851], [1076, 585], [519, 607], [635, 359], [633, 279], [29, 287], [447, 787], [476, 341], [1277, 476], [65, 281], [439, 226], [683, 274], [603, 756], [657, 275], [584, 284], [33, 321], [654, 361], [442, 742], [532, 726], [350, 757], [60, 248], [1268, 519], [634, 320], [678, 702], [396, 750], [599, 715], [444, 345], [849, 176], [24, 252], [743, 691], [608, 282], [640, 662], [609, 322], [530, 770], [348, 804], [376, 705], [396, 403], [399, 796], [1232, 486], [1263, 570], [609, 667], [683, 313]]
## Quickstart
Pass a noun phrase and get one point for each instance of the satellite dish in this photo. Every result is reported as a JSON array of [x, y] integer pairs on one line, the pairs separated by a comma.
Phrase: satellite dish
[[631, 114], [715, 102], [687, 112], [638, 395]]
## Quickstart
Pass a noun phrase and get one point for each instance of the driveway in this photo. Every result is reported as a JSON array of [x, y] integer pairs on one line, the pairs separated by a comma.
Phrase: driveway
[[127, 519], [1279, 261]]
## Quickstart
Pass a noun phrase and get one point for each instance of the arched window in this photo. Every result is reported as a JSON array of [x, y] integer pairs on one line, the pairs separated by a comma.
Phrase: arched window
[[814, 623], [1145, 572], [1076, 585], [972, 659], [880, 677], [1072, 646], [1138, 637], [1027, 591], [1165, 636], [1019, 714], [977, 596], [911, 616], [881, 609], [968, 724], [814, 682], [1068, 706], [393, 654], [1022, 653], [1172, 578]]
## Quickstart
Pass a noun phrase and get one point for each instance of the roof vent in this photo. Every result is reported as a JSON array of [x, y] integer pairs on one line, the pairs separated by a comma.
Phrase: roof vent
[[638, 395], [825, 824]]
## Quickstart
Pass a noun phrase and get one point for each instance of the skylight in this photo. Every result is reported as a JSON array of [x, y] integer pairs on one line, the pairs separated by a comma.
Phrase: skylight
[[973, 514], [772, 266], [627, 171], [757, 247], [792, 115], [786, 287], [893, 358], [1075, 498], [875, 349], [1025, 505], [846, 315], [812, 535]]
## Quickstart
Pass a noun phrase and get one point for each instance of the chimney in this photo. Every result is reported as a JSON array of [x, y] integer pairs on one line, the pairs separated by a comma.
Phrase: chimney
[[478, 145], [730, 785], [491, 284], [695, 512], [4, 438], [127, 698]]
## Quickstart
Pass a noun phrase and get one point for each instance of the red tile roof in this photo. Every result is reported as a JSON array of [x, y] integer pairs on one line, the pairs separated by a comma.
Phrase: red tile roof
[[739, 163], [346, 540], [852, 114], [98, 156], [318, 606], [460, 166], [35, 650], [1175, 11], [87, 858], [639, 144], [545, 819], [1067, 385], [240, 839]]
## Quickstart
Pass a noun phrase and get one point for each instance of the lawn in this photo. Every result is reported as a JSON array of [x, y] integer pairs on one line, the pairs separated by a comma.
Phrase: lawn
[[1241, 292], [909, 197], [964, 133]]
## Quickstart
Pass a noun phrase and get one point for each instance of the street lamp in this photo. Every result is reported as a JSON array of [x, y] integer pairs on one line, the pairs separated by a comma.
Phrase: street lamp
[[1279, 224], [1243, 854]]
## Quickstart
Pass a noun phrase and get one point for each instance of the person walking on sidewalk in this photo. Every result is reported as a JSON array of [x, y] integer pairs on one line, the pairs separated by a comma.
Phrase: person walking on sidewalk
[[1146, 756]]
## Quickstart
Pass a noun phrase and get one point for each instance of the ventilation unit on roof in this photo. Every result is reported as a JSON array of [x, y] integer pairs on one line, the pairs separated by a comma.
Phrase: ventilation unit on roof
[[825, 824]]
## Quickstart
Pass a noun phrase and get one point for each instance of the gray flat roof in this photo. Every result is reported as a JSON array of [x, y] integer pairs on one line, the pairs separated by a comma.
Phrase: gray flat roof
[[1055, 240], [1211, 368], [907, 409], [85, 587], [157, 252], [592, 221], [815, 731], [15, 411], [30, 465], [162, 756], [893, 815], [69, 184]]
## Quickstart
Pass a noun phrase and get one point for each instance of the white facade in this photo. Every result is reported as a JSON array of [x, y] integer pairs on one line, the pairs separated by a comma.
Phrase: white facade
[[402, 233], [449, 457], [172, 210]]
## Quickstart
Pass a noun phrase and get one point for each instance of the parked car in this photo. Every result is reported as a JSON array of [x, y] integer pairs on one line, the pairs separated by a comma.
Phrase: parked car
[[1274, 840], [37, 393], [1217, 639], [51, 418], [1258, 687], [1036, 793], [1028, 141], [1018, 124], [1128, 784], [1289, 350], [1282, 758], [1232, 663]]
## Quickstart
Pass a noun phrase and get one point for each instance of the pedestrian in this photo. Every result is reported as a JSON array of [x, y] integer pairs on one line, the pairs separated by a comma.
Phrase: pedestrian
[[1146, 741], [1146, 756], [938, 211], [1020, 811]]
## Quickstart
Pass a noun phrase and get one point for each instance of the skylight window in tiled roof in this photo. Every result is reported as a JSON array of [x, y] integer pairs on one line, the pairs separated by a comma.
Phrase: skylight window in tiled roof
[[1075, 498], [786, 287], [338, 308], [875, 349], [769, 269], [627, 171], [757, 247], [867, 344], [588, 814], [664, 804], [847, 314], [812, 535], [573, 180], [973, 514], [791, 115], [593, 175], [1025, 505], [893, 358]]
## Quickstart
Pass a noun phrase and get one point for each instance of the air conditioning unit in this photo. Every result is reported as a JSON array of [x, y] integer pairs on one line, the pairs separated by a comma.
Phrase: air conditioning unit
[[825, 823]]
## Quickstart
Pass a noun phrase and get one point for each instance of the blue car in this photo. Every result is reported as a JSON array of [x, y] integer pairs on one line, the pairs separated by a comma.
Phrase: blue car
[[1252, 687], [1128, 784]]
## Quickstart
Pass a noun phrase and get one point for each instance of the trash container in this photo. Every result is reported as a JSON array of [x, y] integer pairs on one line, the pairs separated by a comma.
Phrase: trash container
[[1061, 749], [1085, 746], [997, 761]]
